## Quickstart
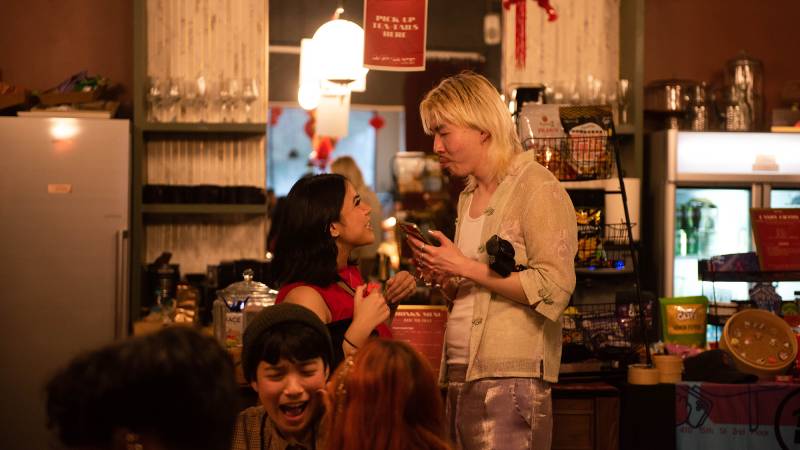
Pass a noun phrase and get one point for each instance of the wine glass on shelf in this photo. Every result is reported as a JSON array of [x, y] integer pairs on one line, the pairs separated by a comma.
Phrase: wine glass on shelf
[[155, 93], [213, 102], [230, 97], [623, 100], [250, 94], [172, 98], [189, 101]]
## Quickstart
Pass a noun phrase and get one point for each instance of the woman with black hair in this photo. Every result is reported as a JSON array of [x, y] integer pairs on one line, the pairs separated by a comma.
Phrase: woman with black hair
[[324, 220]]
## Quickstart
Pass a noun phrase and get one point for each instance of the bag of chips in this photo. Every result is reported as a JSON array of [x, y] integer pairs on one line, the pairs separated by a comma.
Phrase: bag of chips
[[683, 320]]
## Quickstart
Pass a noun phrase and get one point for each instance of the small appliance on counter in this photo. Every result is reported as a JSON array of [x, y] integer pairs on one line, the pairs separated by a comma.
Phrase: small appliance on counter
[[237, 305], [672, 100]]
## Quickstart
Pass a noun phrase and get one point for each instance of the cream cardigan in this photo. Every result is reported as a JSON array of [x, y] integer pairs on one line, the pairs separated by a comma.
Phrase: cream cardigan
[[531, 210]]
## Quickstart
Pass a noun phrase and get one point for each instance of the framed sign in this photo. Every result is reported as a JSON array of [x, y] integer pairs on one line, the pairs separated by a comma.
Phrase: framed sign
[[422, 326], [776, 232], [395, 34]]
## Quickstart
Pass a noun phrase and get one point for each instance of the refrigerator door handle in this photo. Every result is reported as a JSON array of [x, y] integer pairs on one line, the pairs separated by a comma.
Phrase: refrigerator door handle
[[121, 312]]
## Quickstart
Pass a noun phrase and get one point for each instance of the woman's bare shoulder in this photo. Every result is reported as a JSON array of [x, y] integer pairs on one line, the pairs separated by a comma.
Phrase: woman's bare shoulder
[[311, 299]]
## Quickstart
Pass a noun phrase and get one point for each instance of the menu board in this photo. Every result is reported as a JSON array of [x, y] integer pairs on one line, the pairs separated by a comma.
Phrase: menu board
[[776, 232], [422, 326]]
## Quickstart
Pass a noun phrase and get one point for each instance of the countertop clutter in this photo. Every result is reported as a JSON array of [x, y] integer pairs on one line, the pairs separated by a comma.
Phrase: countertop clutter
[[80, 95]]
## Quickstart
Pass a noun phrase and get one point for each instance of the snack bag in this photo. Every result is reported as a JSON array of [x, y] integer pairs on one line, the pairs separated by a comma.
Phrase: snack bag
[[588, 128], [683, 320]]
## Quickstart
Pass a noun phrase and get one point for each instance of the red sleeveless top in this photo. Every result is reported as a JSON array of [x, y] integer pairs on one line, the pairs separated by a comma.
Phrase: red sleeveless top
[[338, 300]]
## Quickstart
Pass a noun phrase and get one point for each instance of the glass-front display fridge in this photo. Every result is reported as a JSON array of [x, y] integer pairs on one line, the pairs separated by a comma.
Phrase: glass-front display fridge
[[701, 188]]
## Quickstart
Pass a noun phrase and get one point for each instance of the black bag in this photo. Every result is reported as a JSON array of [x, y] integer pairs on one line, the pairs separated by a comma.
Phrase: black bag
[[501, 256]]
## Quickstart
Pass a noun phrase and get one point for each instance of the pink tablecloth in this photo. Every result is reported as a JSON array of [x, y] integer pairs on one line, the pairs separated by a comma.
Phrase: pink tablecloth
[[712, 416]]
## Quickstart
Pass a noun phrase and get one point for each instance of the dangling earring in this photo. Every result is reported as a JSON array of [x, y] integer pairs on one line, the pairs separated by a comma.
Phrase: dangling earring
[[132, 442]]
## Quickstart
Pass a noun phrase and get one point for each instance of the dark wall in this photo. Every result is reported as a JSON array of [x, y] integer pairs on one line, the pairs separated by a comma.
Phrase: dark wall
[[694, 39], [42, 42]]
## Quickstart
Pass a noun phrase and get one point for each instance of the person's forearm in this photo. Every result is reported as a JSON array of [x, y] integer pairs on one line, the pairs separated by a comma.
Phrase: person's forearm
[[355, 336], [509, 287]]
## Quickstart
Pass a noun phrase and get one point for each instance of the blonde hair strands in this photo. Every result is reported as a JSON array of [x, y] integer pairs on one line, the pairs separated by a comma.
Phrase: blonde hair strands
[[470, 100]]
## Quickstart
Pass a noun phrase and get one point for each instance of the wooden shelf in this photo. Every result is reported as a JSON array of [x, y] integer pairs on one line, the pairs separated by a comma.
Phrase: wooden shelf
[[203, 208], [222, 128]]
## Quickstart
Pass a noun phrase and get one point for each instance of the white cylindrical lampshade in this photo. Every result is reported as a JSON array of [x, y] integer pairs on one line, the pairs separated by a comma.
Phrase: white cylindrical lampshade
[[308, 95], [340, 51], [333, 115], [308, 91]]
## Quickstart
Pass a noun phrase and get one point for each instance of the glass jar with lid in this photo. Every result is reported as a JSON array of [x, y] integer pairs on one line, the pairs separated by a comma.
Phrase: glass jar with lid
[[236, 305]]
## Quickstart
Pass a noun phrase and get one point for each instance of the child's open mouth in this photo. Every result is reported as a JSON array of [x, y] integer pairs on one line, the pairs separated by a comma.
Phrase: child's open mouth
[[293, 409]]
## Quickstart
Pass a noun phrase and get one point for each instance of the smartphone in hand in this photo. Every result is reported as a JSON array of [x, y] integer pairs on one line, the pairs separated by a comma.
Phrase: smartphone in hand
[[411, 229]]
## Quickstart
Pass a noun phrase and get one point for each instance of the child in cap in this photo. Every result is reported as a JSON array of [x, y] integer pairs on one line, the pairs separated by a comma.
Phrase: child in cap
[[286, 358]]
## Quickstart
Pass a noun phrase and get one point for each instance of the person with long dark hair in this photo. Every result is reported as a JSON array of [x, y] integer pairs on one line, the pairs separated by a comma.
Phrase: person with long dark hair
[[324, 220], [385, 397]]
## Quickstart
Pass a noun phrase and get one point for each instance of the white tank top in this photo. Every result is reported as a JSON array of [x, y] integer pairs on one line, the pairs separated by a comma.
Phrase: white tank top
[[459, 322]]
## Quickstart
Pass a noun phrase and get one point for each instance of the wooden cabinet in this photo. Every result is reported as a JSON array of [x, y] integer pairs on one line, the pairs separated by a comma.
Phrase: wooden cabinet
[[585, 417]]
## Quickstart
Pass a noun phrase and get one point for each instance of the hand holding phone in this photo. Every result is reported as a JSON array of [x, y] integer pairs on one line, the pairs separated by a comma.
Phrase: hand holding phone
[[411, 229]]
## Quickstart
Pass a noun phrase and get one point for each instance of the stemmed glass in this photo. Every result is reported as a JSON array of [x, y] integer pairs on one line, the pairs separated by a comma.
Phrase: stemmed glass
[[190, 101], [171, 99], [213, 102], [155, 93], [623, 99], [428, 277], [250, 94], [229, 96]]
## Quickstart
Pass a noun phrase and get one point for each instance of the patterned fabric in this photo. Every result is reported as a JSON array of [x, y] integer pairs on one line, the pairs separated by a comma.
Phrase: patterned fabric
[[523, 340], [499, 413], [339, 301], [247, 433]]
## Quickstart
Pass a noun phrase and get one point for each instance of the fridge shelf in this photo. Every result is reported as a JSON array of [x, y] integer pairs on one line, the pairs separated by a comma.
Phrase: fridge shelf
[[705, 273], [229, 128], [203, 208]]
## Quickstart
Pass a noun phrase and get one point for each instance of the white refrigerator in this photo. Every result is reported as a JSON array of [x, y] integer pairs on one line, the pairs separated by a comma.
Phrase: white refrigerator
[[701, 186], [64, 214]]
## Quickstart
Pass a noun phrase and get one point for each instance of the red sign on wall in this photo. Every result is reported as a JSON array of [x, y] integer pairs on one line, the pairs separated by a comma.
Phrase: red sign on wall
[[777, 236], [395, 34]]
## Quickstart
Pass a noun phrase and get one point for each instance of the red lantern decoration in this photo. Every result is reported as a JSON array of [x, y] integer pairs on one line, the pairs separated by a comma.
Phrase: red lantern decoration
[[274, 114], [311, 126], [377, 121], [323, 148]]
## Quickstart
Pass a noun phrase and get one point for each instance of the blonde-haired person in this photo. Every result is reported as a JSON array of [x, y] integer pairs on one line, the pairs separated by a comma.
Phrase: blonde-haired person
[[366, 255], [503, 339]]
